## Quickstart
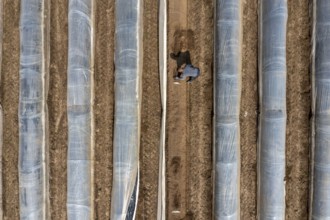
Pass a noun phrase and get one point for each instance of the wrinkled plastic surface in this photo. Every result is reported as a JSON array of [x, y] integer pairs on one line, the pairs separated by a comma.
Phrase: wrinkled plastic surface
[[272, 123], [321, 111], [128, 64], [80, 121], [33, 111], [228, 34]]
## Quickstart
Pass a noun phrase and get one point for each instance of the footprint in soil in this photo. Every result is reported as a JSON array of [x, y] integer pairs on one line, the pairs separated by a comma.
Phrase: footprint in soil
[[176, 164], [190, 215], [177, 200]]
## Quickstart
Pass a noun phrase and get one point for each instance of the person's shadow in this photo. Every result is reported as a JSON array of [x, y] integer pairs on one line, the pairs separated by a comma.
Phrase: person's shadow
[[183, 40]]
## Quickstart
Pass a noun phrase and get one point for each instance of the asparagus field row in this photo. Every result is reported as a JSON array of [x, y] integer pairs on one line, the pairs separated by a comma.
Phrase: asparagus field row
[[272, 119], [80, 110], [33, 171], [227, 94], [126, 143]]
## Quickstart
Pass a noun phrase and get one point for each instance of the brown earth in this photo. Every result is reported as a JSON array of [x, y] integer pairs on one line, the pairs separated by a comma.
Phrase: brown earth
[[177, 134], [57, 108], [249, 111], [151, 115], [9, 93], [298, 109], [200, 112], [104, 105], [190, 150]]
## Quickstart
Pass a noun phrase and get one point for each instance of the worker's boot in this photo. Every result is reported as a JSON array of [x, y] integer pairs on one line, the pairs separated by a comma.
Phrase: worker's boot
[[190, 80]]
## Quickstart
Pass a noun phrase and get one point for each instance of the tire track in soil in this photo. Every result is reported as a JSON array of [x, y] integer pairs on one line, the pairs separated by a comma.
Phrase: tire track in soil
[[103, 105], [57, 108], [200, 112], [10, 94], [298, 109], [249, 110], [150, 115], [176, 128]]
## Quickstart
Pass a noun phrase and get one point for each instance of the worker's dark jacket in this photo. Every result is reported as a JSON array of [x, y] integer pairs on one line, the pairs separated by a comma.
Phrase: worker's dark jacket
[[181, 58]]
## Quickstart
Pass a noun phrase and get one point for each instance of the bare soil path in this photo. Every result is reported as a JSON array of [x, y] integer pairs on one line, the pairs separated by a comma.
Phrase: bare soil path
[[177, 134], [57, 108], [189, 123], [200, 111], [298, 108], [103, 105], [9, 93], [249, 110], [151, 115]]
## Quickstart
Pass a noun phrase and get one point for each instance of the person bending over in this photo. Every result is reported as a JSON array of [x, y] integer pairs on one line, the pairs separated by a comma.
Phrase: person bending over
[[184, 67]]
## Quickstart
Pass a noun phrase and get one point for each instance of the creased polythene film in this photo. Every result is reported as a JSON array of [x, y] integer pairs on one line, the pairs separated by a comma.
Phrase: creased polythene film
[[272, 119], [128, 65], [80, 111], [320, 160], [33, 175], [227, 95]]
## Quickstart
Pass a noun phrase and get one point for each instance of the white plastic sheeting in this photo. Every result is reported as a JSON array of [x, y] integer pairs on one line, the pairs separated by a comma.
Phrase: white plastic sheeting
[[128, 64], [80, 110], [272, 122], [161, 206], [33, 175], [320, 188], [227, 95]]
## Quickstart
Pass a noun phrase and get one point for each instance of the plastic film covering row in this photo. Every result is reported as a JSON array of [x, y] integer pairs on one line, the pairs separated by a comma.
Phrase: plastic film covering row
[[272, 119], [162, 21], [320, 187], [33, 175], [80, 110], [128, 64], [227, 84]]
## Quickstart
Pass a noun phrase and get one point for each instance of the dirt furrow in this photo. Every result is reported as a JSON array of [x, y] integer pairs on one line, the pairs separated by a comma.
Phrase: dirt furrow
[[150, 115], [177, 134], [103, 105], [298, 109], [249, 110], [58, 108], [200, 105], [10, 92]]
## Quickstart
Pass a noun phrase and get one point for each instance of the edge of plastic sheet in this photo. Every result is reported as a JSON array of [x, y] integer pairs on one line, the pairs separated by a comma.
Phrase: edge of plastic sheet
[[312, 121], [319, 136], [162, 10]]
